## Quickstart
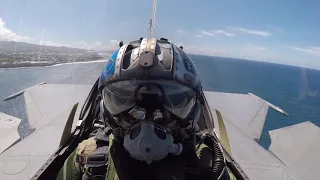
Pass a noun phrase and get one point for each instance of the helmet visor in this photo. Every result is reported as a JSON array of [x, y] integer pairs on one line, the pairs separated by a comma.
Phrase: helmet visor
[[120, 96]]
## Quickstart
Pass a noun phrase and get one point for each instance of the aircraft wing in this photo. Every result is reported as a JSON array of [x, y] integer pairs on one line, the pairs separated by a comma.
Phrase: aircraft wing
[[298, 148], [244, 116], [48, 107], [247, 112], [8, 131]]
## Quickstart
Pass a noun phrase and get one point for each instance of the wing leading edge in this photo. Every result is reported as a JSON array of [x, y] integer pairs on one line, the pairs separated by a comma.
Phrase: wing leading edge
[[247, 112], [48, 107], [293, 153], [8, 131], [298, 148], [244, 117]]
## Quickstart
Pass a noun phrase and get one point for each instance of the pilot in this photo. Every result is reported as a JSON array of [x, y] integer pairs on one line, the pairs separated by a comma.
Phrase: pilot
[[150, 109]]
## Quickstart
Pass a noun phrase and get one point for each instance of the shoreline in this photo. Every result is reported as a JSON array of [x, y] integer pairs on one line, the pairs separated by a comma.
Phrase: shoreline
[[45, 64]]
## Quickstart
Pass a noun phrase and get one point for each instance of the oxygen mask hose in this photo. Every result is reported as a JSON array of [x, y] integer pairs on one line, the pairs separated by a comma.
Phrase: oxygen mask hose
[[218, 163]]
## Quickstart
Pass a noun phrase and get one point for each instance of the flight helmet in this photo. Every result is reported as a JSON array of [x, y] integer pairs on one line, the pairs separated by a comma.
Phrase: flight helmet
[[150, 88]]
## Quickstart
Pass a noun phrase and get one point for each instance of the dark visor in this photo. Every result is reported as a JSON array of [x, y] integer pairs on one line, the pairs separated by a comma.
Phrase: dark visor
[[176, 98]]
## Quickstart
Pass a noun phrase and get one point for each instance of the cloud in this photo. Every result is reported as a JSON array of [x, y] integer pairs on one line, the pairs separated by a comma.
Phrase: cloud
[[7, 35], [208, 33], [277, 28], [198, 35], [50, 43], [179, 44], [310, 50], [96, 45], [251, 31], [315, 48], [114, 42], [203, 51], [216, 32], [223, 32], [249, 51], [81, 44]]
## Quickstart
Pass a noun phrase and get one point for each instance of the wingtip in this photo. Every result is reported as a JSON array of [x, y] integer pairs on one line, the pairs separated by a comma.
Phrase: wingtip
[[278, 109], [285, 113], [16, 94], [271, 105]]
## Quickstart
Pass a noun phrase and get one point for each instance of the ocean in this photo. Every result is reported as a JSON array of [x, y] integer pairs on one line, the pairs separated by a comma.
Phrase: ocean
[[293, 89]]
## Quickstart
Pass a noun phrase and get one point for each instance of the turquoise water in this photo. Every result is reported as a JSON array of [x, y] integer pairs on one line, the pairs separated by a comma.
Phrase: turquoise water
[[293, 89]]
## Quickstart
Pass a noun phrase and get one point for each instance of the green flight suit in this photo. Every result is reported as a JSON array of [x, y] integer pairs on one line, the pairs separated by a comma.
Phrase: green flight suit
[[122, 166]]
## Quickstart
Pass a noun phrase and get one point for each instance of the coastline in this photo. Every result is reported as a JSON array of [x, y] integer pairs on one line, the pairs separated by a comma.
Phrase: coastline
[[45, 64]]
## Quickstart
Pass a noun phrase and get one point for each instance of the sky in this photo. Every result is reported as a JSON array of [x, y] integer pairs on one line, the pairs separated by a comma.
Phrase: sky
[[280, 31]]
